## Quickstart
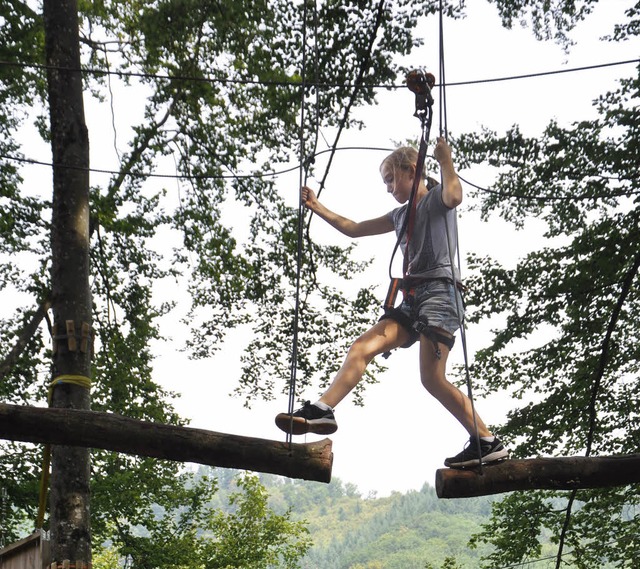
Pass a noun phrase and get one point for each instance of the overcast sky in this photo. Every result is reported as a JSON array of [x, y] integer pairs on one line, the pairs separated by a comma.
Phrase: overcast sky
[[401, 436]]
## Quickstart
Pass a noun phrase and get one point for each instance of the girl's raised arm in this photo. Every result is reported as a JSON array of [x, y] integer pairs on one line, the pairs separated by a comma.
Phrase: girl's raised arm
[[451, 187]]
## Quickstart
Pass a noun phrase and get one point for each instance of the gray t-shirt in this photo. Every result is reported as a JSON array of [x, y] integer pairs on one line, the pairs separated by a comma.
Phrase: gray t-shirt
[[429, 256]]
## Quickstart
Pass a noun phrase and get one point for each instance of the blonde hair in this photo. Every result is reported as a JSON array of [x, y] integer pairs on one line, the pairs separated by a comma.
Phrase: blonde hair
[[406, 158]]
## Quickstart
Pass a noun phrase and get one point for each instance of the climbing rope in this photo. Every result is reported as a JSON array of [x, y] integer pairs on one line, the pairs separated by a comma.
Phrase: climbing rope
[[303, 173], [444, 133], [420, 84]]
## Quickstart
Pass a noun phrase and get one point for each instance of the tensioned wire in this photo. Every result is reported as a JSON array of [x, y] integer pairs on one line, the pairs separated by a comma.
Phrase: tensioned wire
[[303, 173], [295, 84], [315, 154], [459, 310], [333, 149]]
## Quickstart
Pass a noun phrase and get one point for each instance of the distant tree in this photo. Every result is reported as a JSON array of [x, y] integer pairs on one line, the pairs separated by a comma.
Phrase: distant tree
[[448, 563], [189, 533], [252, 536], [567, 345]]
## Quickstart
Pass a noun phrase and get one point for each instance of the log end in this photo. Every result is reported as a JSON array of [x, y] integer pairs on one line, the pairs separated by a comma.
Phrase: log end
[[311, 461], [452, 483], [471, 482]]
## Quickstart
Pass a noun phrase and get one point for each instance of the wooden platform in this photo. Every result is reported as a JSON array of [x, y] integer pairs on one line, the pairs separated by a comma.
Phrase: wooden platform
[[563, 473], [32, 552]]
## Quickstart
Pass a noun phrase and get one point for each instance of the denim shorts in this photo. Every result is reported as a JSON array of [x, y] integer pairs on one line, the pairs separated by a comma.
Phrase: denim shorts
[[433, 303]]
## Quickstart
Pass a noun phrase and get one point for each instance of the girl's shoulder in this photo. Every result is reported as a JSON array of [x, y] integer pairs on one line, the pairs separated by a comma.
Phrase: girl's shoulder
[[434, 199], [400, 210]]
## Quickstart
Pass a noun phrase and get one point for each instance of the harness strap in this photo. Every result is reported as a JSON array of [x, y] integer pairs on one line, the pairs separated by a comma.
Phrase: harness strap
[[392, 293], [408, 285], [422, 326]]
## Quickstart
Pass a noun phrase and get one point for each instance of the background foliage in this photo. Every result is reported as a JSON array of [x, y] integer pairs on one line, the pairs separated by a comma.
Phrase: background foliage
[[223, 83], [566, 348], [351, 531]]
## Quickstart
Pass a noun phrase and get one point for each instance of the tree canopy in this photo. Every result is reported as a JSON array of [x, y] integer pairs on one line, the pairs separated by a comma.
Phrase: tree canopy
[[223, 84], [566, 348]]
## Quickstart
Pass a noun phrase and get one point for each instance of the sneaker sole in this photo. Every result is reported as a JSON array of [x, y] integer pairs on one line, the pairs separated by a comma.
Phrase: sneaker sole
[[300, 426], [497, 456]]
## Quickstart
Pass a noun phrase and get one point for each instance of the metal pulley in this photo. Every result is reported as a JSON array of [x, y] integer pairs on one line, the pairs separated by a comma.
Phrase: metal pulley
[[420, 83]]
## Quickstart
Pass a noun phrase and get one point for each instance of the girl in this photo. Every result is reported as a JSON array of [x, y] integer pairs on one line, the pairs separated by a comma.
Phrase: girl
[[429, 312]]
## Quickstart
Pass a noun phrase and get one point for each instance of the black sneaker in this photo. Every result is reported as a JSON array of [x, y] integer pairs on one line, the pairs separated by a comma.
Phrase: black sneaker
[[308, 419], [489, 452]]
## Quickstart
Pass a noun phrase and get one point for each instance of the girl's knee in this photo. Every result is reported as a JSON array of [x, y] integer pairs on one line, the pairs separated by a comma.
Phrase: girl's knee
[[361, 349], [359, 344], [379, 339], [434, 382]]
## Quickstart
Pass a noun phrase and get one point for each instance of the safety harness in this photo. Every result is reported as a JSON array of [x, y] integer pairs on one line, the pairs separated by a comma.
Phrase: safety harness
[[420, 83]]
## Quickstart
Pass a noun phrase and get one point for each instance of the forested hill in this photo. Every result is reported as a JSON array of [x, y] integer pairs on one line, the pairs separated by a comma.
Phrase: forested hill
[[414, 530], [401, 531]]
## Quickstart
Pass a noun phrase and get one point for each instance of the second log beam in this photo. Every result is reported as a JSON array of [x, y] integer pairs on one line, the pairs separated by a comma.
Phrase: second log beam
[[562, 473]]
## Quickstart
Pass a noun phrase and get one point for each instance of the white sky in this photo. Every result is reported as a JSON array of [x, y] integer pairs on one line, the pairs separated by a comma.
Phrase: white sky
[[401, 436]]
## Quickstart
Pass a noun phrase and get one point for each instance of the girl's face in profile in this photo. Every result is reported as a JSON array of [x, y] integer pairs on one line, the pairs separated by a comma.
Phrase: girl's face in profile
[[398, 181]]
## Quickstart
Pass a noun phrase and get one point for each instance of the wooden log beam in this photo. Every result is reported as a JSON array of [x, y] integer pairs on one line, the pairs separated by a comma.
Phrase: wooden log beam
[[563, 473], [90, 429]]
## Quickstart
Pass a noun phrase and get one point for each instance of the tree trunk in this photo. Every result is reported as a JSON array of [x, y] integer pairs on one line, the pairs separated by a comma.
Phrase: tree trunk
[[71, 296], [563, 473], [114, 432]]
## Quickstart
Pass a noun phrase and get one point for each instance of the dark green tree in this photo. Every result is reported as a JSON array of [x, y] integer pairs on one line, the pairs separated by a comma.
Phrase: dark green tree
[[220, 87], [567, 347], [252, 535], [449, 563], [188, 532]]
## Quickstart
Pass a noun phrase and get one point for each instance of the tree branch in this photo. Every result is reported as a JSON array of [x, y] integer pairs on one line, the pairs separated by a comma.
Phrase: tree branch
[[27, 333]]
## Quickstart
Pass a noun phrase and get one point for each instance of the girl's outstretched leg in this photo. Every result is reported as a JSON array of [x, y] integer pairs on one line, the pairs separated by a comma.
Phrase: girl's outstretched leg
[[318, 418]]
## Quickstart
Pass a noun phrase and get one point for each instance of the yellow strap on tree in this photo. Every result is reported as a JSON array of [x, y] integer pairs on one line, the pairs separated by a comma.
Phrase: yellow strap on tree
[[81, 381], [44, 485]]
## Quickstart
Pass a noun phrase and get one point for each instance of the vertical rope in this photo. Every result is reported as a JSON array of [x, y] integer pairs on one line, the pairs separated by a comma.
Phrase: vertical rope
[[445, 134], [4, 515], [442, 91], [300, 233]]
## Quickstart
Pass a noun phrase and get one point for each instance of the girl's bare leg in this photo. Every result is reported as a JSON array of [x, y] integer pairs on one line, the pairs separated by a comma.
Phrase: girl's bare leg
[[385, 335], [432, 374]]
